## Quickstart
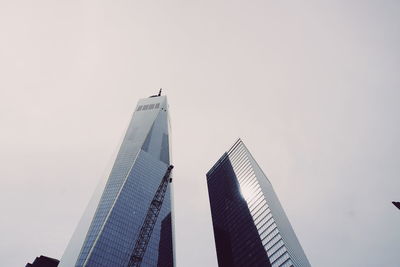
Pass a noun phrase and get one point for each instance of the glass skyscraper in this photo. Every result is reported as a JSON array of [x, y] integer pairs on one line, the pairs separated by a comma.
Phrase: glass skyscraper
[[109, 228], [250, 226]]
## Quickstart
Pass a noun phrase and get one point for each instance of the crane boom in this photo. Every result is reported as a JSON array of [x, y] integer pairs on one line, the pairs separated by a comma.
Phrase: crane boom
[[150, 220]]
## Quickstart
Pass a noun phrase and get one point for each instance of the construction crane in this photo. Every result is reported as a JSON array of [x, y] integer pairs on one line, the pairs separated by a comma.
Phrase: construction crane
[[150, 220]]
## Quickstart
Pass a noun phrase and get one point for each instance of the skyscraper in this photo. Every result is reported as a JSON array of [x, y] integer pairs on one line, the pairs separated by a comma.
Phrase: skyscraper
[[110, 227], [250, 226]]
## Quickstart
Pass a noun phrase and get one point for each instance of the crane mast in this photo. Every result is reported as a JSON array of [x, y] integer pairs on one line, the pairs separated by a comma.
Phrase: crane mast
[[150, 220]]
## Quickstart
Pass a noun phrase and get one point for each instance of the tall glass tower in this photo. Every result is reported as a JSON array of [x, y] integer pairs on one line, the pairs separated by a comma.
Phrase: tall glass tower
[[250, 226], [108, 230]]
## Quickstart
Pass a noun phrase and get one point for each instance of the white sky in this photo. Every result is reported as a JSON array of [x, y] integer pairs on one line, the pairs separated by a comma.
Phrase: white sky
[[312, 88]]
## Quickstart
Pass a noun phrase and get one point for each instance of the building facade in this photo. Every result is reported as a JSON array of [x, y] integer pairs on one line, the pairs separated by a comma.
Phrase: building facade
[[108, 230], [250, 225]]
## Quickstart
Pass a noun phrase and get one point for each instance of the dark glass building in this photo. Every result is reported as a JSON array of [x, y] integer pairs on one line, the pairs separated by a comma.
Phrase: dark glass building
[[109, 228], [250, 226], [43, 261]]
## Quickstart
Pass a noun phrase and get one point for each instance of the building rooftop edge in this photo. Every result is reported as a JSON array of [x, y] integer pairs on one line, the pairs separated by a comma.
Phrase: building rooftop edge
[[225, 155]]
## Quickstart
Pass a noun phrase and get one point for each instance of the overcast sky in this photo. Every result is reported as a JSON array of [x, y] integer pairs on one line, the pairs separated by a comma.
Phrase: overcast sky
[[312, 88]]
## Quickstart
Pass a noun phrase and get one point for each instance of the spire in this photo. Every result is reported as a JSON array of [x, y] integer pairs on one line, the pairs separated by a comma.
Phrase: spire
[[159, 93]]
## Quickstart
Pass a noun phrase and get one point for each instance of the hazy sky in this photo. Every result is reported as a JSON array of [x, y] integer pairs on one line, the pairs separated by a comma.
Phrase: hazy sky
[[312, 88]]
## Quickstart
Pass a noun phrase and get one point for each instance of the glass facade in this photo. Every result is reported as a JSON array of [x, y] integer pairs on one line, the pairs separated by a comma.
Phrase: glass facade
[[108, 236], [250, 226]]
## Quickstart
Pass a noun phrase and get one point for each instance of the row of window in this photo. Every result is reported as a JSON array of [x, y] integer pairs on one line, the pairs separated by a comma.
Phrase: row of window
[[272, 247], [281, 252], [283, 261], [256, 205], [257, 212], [263, 217], [272, 235], [269, 225], [148, 107]]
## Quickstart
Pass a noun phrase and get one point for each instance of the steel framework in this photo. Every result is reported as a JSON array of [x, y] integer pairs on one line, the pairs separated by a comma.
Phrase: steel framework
[[150, 220]]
